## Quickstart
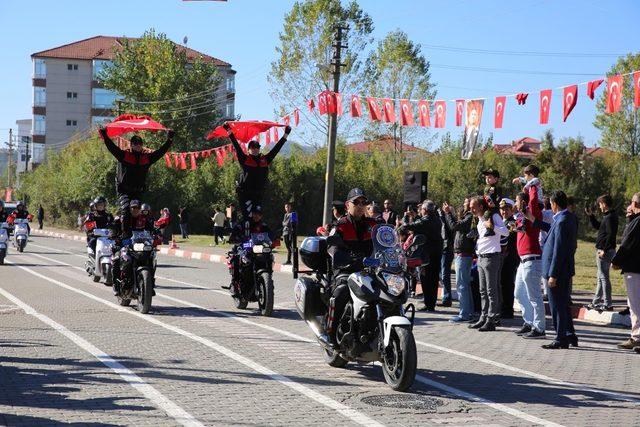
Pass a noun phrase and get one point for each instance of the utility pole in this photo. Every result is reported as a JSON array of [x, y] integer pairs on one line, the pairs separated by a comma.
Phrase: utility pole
[[10, 144], [333, 122], [27, 155]]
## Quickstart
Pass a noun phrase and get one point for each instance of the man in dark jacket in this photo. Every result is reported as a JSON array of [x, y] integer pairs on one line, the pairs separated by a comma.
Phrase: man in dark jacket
[[255, 170], [40, 217], [558, 267], [510, 259], [430, 226], [463, 248], [605, 250], [388, 214], [133, 168], [445, 260], [628, 260]]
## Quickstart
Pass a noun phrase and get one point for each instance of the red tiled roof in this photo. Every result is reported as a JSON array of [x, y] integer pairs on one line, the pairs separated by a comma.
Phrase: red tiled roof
[[104, 47], [383, 144], [526, 147], [598, 151]]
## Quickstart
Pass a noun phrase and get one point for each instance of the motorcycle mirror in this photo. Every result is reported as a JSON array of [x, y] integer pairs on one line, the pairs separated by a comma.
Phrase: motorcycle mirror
[[418, 240], [321, 231]]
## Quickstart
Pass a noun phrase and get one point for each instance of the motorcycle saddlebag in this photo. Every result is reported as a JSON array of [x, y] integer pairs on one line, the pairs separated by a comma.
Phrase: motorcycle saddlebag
[[307, 296]]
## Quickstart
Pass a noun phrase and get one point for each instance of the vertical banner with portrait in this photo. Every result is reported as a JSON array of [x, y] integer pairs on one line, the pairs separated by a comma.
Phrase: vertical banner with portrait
[[472, 126]]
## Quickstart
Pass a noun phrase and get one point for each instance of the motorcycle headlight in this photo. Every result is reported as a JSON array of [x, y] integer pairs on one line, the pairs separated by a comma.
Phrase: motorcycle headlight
[[395, 283], [138, 247]]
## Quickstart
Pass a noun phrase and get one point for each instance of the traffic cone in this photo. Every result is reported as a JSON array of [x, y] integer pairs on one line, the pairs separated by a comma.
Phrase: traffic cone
[[173, 244]]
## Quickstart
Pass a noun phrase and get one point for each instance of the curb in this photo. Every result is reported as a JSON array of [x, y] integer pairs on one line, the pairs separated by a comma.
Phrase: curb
[[605, 318], [178, 253]]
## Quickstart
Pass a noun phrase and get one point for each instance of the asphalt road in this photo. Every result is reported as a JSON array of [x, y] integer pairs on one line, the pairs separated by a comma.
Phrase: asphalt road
[[70, 354]]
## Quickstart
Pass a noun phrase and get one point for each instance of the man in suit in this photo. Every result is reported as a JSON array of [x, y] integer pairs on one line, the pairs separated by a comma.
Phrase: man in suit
[[558, 268]]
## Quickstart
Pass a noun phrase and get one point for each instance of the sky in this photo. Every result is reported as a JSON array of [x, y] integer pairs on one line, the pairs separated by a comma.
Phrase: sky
[[245, 33]]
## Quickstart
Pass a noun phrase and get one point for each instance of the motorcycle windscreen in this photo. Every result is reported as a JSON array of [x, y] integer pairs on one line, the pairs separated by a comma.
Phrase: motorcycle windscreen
[[386, 246]]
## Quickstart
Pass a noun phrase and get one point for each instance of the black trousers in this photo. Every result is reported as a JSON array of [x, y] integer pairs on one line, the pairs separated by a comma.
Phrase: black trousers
[[559, 297], [288, 242], [247, 200], [429, 276], [124, 199], [218, 233], [508, 284]]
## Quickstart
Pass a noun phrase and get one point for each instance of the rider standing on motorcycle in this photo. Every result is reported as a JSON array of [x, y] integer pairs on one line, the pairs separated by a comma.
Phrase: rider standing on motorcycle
[[348, 244], [255, 170], [133, 167], [135, 221], [100, 219]]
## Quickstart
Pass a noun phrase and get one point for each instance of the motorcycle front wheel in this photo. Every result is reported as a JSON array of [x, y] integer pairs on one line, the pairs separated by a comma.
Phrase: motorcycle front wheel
[[108, 274], [145, 293], [399, 359], [265, 297], [21, 245], [333, 359], [3, 253]]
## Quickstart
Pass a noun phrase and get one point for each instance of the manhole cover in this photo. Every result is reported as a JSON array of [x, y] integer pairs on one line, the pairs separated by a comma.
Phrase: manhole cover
[[404, 401]]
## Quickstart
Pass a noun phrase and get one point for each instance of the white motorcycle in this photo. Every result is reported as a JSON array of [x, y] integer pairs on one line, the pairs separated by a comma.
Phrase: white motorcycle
[[20, 234], [99, 263], [4, 238]]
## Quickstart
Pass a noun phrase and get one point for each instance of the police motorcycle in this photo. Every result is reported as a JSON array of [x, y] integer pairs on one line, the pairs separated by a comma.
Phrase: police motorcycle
[[251, 267], [137, 265], [4, 239], [99, 263], [20, 233], [375, 325]]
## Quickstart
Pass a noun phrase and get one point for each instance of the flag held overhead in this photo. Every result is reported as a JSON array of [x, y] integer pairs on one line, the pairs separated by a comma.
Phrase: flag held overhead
[[244, 131], [126, 123]]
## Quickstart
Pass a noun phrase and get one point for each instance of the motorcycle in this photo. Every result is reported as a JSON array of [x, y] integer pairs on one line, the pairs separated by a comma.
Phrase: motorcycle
[[4, 238], [20, 234], [137, 264], [375, 325], [251, 268], [99, 263]]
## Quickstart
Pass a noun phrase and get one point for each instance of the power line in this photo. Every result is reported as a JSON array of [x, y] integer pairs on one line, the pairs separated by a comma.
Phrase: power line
[[522, 53], [509, 71]]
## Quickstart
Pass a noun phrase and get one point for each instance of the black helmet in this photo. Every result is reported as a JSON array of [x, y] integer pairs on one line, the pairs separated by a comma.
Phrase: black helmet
[[19, 203], [92, 205], [134, 203], [146, 207], [100, 199]]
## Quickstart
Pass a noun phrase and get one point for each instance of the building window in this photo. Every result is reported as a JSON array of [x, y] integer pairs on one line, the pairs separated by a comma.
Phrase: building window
[[39, 68], [39, 96], [231, 84], [72, 123], [229, 110], [72, 67], [39, 124], [98, 66], [72, 95], [103, 98], [100, 120]]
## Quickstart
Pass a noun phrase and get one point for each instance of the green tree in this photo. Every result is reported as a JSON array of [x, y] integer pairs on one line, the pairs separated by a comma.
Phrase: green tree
[[397, 69], [302, 67], [621, 130], [153, 68]]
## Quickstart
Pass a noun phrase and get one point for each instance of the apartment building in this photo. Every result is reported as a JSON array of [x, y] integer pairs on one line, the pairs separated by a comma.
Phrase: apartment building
[[68, 98]]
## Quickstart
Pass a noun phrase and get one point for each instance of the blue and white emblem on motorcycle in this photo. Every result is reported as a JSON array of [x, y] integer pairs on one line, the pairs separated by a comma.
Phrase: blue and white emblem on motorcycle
[[386, 236]]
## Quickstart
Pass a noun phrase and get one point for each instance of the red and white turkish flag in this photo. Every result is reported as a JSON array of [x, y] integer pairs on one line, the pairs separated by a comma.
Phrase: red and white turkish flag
[[570, 97], [406, 113], [636, 89], [286, 120], [126, 123], [498, 112], [356, 106], [459, 110], [614, 93], [423, 113], [322, 103], [592, 86], [311, 104], [388, 110], [374, 109], [545, 106], [330, 97], [441, 114], [338, 100], [296, 117]]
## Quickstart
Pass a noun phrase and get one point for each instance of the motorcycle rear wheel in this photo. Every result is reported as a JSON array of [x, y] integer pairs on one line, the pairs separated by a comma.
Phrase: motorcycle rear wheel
[[333, 359], [240, 303], [146, 291], [399, 360], [108, 275]]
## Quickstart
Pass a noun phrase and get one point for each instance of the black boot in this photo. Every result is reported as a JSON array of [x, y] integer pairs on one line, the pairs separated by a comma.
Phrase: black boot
[[478, 324], [488, 326]]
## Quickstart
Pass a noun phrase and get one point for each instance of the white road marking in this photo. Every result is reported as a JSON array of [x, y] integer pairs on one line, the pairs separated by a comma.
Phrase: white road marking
[[158, 399], [340, 408], [581, 387]]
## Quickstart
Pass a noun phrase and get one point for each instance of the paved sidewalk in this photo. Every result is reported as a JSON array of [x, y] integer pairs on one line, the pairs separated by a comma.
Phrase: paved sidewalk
[[218, 255]]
